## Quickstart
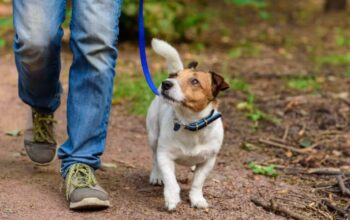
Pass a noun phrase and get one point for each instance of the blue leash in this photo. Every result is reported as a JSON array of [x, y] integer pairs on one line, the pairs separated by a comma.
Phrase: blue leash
[[142, 46]]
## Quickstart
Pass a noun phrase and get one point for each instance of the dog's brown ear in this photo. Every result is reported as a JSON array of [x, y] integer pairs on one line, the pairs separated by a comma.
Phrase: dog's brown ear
[[219, 83], [192, 65]]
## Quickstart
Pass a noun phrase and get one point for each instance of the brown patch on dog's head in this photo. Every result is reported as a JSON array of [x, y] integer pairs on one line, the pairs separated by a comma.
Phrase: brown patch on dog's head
[[199, 88]]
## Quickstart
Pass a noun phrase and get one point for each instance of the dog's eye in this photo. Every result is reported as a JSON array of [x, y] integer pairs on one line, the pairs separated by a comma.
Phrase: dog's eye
[[194, 82]]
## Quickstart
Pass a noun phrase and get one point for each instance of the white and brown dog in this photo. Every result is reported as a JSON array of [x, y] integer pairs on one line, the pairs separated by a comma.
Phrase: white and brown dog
[[184, 126]]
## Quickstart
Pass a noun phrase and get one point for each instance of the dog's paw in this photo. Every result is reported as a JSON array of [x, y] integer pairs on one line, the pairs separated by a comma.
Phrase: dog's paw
[[199, 202], [193, 168], [155, 178], [171, 203]]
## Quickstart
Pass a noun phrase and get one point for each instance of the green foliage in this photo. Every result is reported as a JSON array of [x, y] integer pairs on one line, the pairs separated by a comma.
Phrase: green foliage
[[264, 15], [341, 37], [2, 42], [239, 85], [167, 19], [263, 170], [342, 40], [305, 142], [134, 92], [347, 72], [254, 113], [245, 48], [235, 53], [335, 59], [253, 3], [261, 5], [5, 25], [303, 84], [198, 47], [6, 22]]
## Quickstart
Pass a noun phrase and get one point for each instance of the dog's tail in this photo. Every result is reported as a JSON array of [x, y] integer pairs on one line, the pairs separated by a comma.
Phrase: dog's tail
[[169, 53]]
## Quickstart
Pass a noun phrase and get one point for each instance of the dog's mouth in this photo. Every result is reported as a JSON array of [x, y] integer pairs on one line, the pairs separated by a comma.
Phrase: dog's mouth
[[168, 97]]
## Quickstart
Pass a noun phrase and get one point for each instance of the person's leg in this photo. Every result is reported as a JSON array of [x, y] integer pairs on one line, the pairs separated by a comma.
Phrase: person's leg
[[37, 45], [94, 33]]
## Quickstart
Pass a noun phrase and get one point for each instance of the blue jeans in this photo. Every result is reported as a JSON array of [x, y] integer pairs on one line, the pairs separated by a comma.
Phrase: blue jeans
[[37, 45]]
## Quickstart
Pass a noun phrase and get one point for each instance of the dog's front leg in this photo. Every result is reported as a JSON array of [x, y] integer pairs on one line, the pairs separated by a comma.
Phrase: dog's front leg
[[201, 173], [171, 187]]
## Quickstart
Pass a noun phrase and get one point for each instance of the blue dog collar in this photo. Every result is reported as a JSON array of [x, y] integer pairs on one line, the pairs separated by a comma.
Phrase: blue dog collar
[[202, 123]]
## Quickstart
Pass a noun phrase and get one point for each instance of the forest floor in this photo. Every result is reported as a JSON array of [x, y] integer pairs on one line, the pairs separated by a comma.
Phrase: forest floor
[[287, 110]]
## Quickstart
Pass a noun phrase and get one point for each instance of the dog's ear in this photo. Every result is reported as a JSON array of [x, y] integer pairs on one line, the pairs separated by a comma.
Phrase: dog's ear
[[192, 65], [219, 83]]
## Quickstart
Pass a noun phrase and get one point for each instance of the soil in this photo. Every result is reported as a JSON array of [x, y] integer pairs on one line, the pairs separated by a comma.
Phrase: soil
[[32, 192], [316, 118]]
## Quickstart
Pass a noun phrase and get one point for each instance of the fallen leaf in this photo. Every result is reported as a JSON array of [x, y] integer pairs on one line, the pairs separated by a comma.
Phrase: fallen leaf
[[305, 142], [14, 133], [289, 154], [109, 165], [248, 146]]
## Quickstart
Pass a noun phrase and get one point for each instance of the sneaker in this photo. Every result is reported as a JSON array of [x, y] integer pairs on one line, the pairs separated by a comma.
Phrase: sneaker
[[82, 189], [39, 140]]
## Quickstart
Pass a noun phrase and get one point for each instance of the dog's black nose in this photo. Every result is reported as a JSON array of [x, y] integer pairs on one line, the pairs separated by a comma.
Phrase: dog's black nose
[[166, 85]]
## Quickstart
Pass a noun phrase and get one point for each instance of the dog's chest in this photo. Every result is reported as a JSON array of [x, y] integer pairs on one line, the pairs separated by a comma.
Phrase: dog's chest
[[191, 160], [193, 149]]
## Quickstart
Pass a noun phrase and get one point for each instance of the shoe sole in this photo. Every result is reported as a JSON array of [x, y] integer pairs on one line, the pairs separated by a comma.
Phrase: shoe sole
[[89, 203]]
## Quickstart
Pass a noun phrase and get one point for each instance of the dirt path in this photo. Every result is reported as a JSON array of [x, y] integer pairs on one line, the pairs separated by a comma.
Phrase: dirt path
[[31, 192]]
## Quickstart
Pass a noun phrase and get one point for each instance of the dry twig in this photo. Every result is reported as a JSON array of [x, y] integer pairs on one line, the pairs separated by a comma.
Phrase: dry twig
[[332, 207], [126, 164], [283, 146], [277, 209], [286, 132], [327, 171], [344, 190]]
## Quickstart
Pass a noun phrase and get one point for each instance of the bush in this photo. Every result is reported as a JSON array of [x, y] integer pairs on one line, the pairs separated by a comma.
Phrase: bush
[[169, 20]]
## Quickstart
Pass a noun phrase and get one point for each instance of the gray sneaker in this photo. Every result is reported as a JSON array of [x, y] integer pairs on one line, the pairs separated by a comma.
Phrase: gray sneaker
[[82, 189], [39, 140]]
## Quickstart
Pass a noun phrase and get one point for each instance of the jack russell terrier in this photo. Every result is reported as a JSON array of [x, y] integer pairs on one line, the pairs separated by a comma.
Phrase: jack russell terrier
[[184, 126]]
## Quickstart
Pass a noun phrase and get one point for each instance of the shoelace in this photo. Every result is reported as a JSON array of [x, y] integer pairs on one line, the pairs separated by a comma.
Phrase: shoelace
[[43, 131], [80, 176]]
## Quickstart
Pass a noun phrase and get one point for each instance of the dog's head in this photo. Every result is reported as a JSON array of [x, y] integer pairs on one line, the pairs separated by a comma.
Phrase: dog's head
[[192, 88]]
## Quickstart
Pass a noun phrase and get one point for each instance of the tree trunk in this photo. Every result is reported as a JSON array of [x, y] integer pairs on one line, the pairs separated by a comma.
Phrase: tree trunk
[[335, 5]]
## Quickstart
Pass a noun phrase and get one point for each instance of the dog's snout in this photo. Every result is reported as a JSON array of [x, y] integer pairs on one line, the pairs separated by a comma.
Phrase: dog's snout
[[166, 85]]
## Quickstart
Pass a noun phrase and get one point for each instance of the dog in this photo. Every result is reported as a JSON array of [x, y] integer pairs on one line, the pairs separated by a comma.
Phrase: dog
[[184, 126]]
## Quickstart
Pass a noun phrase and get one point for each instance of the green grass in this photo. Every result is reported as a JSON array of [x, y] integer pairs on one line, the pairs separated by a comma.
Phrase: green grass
[[303, 84], [269, 170], [239, 85], [334, 59], [254, 114], [245, 49], [6, 22], [135, 92], [5, 25], [2, 42], [347, 72]]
